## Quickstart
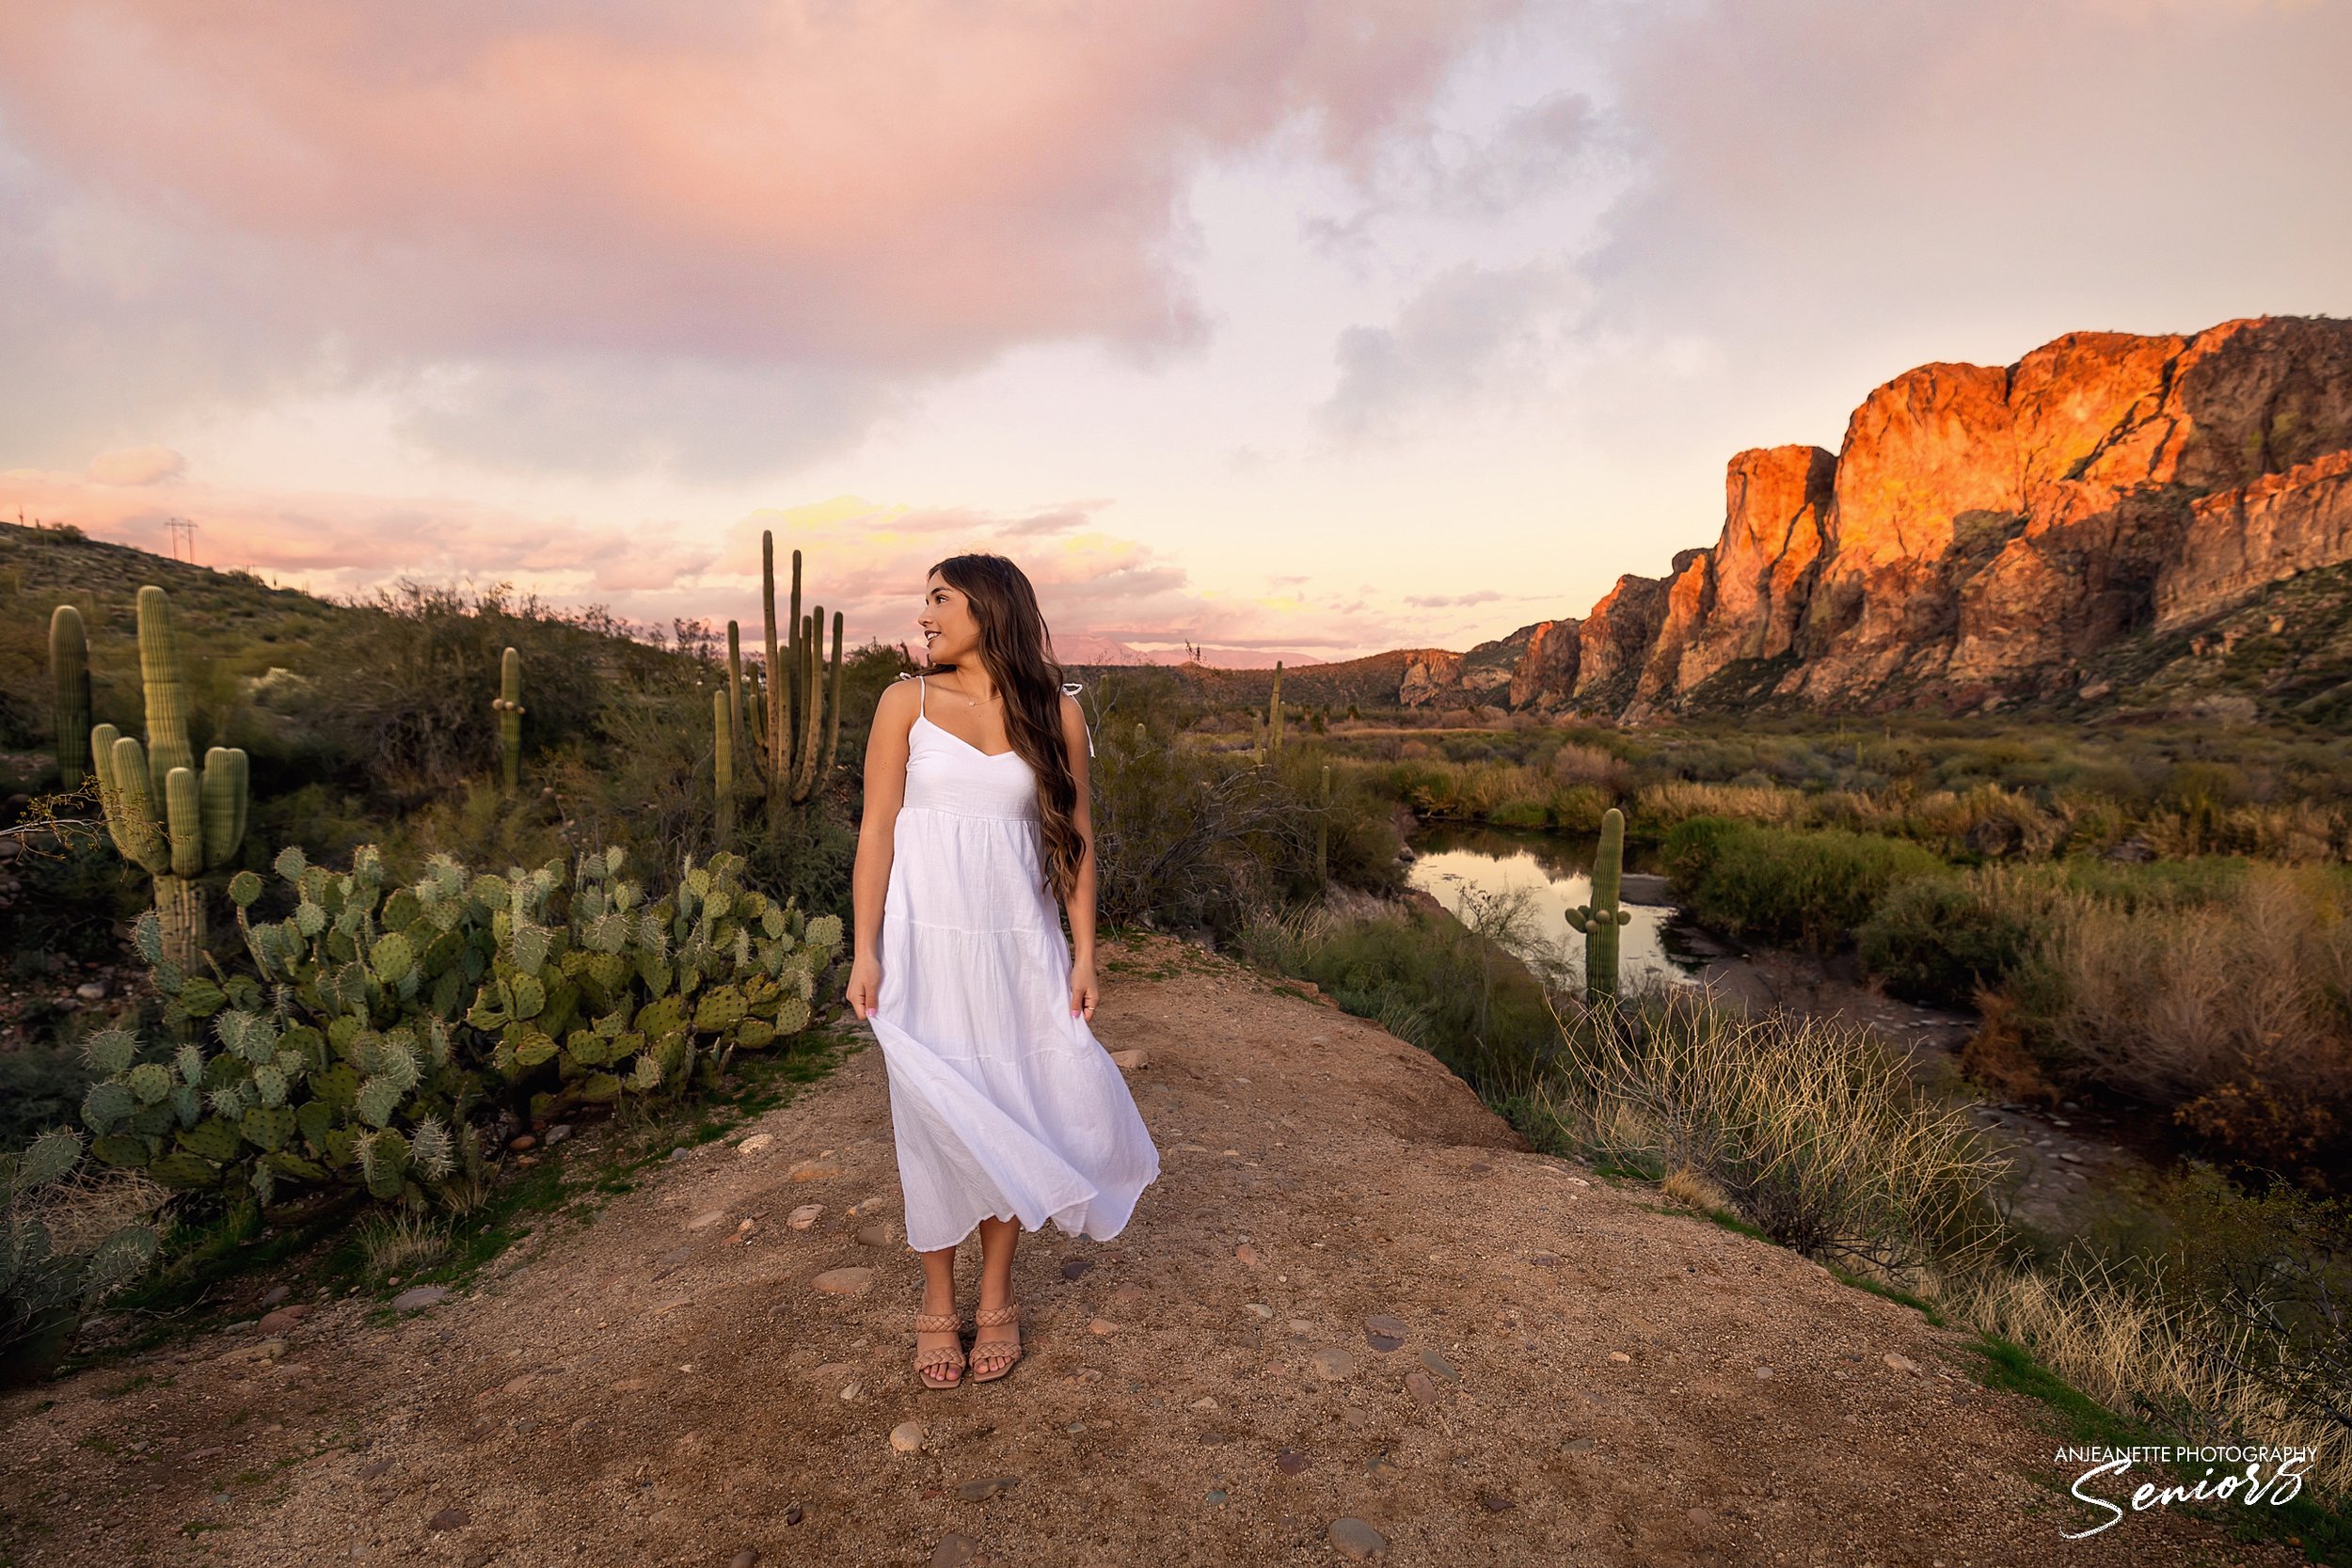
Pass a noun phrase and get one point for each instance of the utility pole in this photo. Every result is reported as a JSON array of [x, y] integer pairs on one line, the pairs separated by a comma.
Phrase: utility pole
[[182, 534]]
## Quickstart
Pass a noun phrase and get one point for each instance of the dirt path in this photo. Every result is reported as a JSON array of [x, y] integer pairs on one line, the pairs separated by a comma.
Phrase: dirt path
[[1580, 1379]]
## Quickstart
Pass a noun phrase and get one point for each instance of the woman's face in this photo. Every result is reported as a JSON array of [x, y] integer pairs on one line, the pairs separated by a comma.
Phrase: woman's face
[[951, 633]]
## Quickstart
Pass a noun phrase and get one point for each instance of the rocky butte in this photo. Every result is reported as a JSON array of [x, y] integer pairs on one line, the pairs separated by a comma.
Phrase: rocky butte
[[1982, 535]]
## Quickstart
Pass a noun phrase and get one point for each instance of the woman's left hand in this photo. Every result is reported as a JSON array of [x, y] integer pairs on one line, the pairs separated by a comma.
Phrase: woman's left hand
[[1082, 995]]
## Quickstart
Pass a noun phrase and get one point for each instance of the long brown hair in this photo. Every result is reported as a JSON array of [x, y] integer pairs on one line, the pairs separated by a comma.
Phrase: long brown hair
[[1018, 654]]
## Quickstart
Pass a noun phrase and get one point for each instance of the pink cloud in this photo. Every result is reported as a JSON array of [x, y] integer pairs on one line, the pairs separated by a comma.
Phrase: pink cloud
[[905, 183]]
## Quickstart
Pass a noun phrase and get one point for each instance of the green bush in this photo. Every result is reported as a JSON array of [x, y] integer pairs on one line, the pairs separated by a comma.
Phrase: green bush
[[1811, 887], [1936, 939], [379, 1013]]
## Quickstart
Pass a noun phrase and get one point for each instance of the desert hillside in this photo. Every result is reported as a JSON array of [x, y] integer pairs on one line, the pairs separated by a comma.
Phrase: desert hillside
[[1354, 1318]]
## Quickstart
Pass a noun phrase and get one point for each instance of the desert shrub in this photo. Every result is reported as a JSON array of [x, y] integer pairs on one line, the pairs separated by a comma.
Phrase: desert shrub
[[2235, 1013], [69, 1236], [1456, 991], [402, 686], [378, 1014], [1190, 838], [1814, 888], [1938, 938]]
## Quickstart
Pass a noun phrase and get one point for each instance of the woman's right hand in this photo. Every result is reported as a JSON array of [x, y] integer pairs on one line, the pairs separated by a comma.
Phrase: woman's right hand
[[865, 984]]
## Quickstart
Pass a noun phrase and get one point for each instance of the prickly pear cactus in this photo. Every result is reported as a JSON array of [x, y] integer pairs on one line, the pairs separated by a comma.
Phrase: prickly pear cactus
[[379, 1015], [1601, 920]]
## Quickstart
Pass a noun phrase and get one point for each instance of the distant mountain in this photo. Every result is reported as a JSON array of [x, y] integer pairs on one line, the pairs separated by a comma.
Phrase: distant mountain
[[1087, 648]]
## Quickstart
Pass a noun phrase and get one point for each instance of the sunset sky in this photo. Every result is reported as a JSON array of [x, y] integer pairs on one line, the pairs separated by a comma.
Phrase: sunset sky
[[1318, 326]]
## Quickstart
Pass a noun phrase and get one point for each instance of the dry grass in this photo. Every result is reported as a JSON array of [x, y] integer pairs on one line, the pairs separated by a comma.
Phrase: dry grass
[[1679, 800], [2119, 1339], [90, 1204], [1811, 1130], [2236, 1014], [401, 1244]]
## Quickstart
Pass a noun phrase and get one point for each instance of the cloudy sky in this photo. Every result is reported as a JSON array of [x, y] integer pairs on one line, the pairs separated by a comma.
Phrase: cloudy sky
[[1312, 326]]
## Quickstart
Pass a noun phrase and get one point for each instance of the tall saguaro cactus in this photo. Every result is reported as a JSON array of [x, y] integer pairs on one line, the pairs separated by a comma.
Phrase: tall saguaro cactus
[[790, 732], [817, 745], [1600, 919], [774, 743], [164, 815], [69, 666], [508, 706], [1274, 712], [722, 764]]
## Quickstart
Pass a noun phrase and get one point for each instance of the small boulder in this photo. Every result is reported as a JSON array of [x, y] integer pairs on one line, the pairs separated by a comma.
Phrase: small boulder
[[844, 1282], [907, 1436], [418, 1296], [1333, 1364], [987, 1487], [804, 1216], [1356, 1540], [757, 1143]]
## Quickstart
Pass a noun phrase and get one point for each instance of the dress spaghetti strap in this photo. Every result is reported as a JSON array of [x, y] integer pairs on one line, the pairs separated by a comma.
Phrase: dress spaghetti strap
[[922, 694]]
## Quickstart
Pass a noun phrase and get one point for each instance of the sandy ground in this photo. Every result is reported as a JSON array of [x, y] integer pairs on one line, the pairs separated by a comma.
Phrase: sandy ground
[[1573, 1375]]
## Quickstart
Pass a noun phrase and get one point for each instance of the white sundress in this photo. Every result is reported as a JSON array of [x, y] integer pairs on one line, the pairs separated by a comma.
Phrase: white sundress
[[1003, 1104]]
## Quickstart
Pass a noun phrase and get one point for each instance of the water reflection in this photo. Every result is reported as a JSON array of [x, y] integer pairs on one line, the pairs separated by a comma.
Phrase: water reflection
[[1478, 871]]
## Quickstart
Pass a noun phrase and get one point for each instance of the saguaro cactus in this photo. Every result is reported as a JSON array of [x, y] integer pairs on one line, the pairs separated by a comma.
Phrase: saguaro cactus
[[164, 816], [1600, 919], [735, 685], [832, 707], [69, 665], [1274, 712], [775, 742], [793, 729], [722, 764], [508, 706]]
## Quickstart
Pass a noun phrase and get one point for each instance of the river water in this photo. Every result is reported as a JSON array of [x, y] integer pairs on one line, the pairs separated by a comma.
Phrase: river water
[[1469, 870]]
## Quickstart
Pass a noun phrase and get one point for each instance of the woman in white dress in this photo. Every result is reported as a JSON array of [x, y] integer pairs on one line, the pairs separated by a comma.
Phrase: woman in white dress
[[1006, 1110]]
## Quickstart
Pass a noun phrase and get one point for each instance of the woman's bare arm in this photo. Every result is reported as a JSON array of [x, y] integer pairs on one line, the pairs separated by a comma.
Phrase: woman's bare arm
[[869, 880]]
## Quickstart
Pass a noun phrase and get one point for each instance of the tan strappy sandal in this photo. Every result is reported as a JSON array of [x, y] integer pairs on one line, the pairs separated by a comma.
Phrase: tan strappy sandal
[[992, 1351], [938, 1356]]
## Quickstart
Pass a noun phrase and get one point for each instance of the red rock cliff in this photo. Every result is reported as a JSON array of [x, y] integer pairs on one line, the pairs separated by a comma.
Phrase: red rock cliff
[[1981, 531]]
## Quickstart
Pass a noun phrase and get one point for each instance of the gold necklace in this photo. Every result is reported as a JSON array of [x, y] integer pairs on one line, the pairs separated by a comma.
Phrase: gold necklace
[[975, 702]]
